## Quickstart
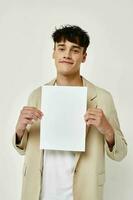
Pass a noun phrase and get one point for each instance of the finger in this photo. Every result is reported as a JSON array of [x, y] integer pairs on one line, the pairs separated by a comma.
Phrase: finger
[[91, 122], [96, 122], [95, 111], [34, 109], [27, 121], [33, 115], [32, 112], [90, 112], [30, 116], [89, 116]]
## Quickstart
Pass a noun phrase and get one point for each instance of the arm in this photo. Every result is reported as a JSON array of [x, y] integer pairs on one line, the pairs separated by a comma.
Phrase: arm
[[106, 121], [119, 149], [27, 116]]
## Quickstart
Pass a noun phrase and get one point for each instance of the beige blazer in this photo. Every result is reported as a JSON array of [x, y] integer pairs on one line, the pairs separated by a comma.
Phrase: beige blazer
[[89, 168]]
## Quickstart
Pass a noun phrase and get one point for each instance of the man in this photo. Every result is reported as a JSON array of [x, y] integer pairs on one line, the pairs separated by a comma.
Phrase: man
[[59, 175]]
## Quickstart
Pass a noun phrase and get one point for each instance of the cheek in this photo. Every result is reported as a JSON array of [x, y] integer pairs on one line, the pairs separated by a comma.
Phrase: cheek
[[78, 60], [56, 58]]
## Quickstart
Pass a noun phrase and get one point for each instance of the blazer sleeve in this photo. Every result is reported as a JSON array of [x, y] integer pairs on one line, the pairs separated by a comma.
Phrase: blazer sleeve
[[21, 147], [119, 150]]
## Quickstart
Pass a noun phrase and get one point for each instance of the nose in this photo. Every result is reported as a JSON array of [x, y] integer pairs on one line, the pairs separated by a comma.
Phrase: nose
[[67, 54]]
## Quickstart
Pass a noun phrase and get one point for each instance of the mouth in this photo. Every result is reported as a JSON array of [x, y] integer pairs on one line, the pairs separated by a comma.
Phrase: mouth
[[66, 62]]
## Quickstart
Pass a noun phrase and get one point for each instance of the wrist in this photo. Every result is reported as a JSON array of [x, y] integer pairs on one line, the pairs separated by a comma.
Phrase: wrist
[[109, 136], [19, 133]]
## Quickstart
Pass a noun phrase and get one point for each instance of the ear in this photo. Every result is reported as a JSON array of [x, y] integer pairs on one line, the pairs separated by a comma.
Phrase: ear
[[84, 57]]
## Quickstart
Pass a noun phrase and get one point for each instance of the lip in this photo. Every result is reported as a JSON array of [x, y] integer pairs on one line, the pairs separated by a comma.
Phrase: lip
[[65, 62]]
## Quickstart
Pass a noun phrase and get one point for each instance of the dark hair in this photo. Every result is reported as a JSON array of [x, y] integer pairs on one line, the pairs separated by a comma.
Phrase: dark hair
[[73, 34]]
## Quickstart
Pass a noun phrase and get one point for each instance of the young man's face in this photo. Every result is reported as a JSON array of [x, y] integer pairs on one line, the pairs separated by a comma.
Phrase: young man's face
[[68, 56]]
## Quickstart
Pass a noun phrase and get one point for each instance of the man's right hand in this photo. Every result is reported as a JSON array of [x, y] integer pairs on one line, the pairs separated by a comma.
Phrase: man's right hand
[[27, 116]]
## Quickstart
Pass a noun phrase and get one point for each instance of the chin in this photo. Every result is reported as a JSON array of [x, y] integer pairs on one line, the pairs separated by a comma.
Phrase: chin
[[67, 73]]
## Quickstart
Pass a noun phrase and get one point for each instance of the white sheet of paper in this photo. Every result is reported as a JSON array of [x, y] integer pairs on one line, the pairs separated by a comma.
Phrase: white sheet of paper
[[63, 126]]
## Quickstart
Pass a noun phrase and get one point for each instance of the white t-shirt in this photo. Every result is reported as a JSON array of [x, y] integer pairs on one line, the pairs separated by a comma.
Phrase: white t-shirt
[[57, 182]]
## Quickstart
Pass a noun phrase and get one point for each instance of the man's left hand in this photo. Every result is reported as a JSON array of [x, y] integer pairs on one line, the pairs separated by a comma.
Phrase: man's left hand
[[96, 117]]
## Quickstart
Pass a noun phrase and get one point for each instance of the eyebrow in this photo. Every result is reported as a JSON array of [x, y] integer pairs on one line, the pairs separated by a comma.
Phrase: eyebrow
[[73, 46]]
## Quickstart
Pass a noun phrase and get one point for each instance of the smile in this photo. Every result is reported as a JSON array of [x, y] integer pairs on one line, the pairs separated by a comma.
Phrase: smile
[[66, 62]]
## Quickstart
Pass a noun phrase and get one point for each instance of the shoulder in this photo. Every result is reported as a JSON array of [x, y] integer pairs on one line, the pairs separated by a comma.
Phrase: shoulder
[[105, 100], [37, 91], [102, 96], [35, 96], [100, 92]]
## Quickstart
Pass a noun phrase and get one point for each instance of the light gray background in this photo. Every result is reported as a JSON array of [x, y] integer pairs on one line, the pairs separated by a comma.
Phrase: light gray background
[[26, 62]]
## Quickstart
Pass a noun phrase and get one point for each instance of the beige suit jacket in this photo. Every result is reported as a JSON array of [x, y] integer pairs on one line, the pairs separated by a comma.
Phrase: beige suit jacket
[[89, 167]]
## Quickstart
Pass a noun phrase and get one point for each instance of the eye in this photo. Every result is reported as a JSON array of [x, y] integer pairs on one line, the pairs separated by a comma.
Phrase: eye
[[61, 49], [75, 50]]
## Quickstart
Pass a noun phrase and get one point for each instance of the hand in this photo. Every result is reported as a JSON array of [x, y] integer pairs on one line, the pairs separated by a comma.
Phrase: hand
[[27, 116], [96, 117]]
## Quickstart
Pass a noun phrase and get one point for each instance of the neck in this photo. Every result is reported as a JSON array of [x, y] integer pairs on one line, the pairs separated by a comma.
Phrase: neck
[[73, 80]]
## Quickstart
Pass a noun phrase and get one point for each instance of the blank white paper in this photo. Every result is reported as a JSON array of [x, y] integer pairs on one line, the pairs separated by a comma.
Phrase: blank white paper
[[63, 126]]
